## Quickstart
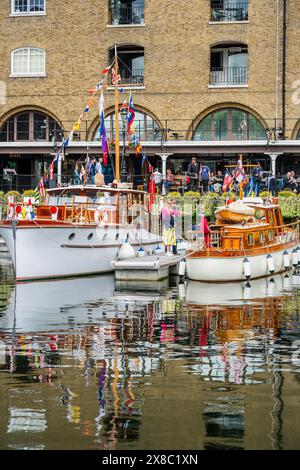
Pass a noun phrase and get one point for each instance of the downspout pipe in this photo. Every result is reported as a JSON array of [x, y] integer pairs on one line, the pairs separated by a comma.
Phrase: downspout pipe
[[284, 40]]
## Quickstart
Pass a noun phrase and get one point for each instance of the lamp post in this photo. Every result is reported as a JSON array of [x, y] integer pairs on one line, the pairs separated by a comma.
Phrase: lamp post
[[124, 173]]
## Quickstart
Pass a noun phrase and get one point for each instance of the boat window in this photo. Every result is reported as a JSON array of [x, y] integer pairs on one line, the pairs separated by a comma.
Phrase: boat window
[[71, 236], [250, 239], [53, 201], [81, 199], [262, 238], [271, 235], [90, 236], [64, 200]]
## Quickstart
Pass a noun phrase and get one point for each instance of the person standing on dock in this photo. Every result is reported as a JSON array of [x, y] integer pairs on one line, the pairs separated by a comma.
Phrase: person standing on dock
[[168, 214]]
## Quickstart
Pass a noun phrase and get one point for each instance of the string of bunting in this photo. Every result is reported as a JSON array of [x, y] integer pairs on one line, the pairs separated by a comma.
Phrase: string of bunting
[[40, 189]]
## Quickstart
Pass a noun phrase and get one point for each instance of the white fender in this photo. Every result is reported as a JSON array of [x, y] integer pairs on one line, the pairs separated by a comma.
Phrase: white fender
[[270, 264], [100, 215], [247, 291], [286, 282], [294, 257], [286, 259], [247, 268], [182, 268], [126, 251], [158, 250], [270, 286]]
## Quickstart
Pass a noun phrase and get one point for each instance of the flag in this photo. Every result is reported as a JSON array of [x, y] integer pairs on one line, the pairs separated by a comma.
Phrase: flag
[[86, 109], [138, 149], [124, 105], [36, 195], [227, 182], [77, 125], [51, 170], [41, 188], [102, 130], [131, 114], [115, 78], [104, 71], [134, 141], [143, 160], [239, 176], [91, 91]]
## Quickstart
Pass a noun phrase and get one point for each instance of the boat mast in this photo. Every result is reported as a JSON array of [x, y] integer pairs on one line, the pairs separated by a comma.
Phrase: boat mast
[[241, 183], [117, 143]]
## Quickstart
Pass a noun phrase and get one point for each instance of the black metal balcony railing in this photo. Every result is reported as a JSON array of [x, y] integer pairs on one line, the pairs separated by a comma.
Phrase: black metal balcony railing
[[131, 77], [127, 14], [229, 11], [227, 76]]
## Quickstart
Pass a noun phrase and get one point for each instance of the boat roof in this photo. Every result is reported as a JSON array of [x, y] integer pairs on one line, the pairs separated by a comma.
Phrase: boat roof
[[91, 189], [246, 226], [263, 207]]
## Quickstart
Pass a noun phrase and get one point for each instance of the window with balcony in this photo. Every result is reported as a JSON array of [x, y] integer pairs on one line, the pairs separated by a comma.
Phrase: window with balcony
[[126, 12], [30, 126], [131, 64], [229, 10], [230, 124], [28, 7], [145, 127], [28, 62], [229, 65]]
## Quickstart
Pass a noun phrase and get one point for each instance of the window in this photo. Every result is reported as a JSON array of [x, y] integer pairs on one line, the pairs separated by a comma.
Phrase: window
[[28, 62], [262, 237], [229, 10], [271, 235], [124, 12], [230, 124], [30, 126], [28, 7], [250, 239], [145, 127], [131, 64], [229, 65]]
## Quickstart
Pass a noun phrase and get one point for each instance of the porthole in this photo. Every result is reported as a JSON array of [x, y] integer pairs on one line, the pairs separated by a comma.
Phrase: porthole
[[90, 236], [71, 236]]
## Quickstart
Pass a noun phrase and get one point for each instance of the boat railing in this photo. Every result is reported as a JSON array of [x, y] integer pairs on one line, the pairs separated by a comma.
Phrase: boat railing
[[217, 240]]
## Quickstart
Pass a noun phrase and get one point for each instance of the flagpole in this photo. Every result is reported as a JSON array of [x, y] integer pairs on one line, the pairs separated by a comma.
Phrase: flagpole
[[117, 143]]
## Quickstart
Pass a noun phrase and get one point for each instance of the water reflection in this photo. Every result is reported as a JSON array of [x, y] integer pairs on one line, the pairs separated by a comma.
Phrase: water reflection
[[85, 366]]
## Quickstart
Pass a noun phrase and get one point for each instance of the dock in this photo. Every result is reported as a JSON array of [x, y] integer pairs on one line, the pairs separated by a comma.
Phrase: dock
[[147, 272]]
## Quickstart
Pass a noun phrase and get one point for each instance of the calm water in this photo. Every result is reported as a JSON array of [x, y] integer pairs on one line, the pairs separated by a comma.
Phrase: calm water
[[84, 366]]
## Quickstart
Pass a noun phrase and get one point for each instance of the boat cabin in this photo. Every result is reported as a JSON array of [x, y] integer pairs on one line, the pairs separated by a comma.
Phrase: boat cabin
[[79, 203]]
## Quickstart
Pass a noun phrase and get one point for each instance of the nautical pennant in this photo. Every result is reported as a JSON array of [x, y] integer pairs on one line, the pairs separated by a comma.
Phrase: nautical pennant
[[103, 130], [131, 115]]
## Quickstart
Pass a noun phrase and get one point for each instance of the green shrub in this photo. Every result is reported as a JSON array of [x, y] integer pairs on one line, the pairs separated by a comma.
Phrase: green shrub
[[173, 195], [265, 194], [192, 194], [287, 194], [28, 193]]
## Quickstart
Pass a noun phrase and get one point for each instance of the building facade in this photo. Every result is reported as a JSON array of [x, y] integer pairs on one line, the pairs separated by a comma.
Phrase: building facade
[[209, 78]]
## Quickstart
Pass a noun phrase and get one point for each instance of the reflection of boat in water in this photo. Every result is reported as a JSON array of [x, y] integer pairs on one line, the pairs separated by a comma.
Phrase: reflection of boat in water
[[52, 305], [236, 293], [244, 243]]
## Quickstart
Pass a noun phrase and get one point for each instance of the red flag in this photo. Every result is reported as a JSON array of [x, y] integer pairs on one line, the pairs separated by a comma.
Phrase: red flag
[[227, 182], [91, 91], [41, 188], [104, 71]]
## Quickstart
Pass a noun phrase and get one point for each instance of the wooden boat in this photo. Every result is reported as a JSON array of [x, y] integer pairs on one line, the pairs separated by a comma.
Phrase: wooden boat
[[253, 248], [77, 231], [235, 213]]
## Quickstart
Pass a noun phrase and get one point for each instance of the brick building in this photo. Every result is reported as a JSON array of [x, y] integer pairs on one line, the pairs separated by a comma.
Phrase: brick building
[[209, 78]]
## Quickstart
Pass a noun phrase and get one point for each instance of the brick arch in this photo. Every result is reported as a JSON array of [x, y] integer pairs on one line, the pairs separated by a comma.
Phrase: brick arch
[[27, 108], [229, 42], [296, 130], [220, 107], [110, 110]]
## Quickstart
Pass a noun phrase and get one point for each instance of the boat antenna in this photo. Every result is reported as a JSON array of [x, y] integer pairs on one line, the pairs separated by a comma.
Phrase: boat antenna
[[117, 144]]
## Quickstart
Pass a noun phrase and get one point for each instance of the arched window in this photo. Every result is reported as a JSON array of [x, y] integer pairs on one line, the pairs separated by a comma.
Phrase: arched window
[[145, 127], [30, 126], [28, 62], [230, 124], [229, 65], [298, 135]]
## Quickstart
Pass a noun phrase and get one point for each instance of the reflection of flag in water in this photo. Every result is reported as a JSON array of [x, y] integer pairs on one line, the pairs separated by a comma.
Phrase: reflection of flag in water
[[103, 130], [130, 116], [227, 181]]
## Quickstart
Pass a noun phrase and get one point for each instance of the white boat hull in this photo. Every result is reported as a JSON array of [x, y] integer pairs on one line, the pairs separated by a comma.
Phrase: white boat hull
[[47, 252], [222, 269]]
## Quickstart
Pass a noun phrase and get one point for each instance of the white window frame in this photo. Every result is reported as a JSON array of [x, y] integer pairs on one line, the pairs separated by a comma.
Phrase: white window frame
[[27, 13], [35, 74]]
